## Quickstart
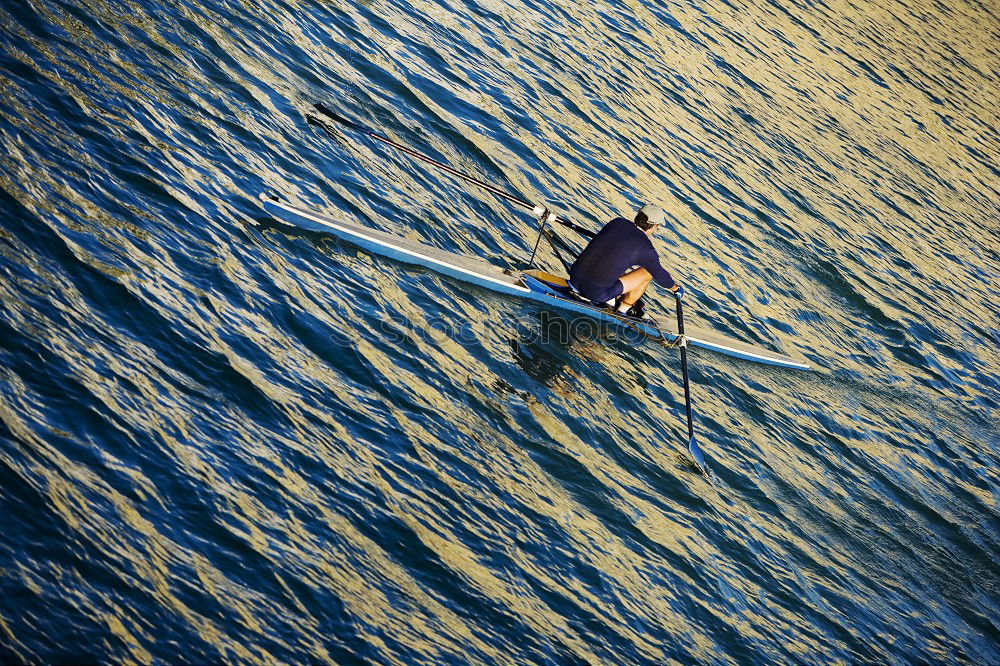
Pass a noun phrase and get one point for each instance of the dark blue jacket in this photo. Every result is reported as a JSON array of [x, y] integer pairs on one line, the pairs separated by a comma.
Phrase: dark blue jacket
[[618, 247]]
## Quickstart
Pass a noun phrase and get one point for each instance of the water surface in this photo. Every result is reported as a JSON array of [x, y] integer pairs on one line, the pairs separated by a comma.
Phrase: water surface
[[222, 439]]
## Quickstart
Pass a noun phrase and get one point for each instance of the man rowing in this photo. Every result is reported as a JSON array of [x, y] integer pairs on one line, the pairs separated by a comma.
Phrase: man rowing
[[618, 264]]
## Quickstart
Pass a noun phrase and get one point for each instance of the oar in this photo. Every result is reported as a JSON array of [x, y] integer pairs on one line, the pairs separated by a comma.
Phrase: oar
[[444, 167], [692, 444]]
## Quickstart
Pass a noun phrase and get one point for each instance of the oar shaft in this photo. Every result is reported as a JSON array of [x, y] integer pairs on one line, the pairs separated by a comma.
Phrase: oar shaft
[[684, 368], [444, 167], [684, 375]]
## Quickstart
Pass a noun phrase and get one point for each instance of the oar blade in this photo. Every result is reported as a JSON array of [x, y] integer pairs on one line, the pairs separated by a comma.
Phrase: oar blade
[[696, 453], [339, 118]]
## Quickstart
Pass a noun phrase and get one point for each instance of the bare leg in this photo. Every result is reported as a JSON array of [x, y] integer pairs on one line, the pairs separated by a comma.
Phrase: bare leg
[[634, 283]]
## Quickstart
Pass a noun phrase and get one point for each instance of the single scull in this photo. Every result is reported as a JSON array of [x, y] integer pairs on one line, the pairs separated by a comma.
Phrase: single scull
[[533, 284]]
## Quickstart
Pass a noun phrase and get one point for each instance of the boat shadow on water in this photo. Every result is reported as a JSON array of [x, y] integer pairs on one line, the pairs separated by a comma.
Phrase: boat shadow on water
[[549, 341]]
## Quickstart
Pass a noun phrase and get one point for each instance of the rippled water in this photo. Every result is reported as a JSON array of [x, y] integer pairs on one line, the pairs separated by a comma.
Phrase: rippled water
[[222, 439]]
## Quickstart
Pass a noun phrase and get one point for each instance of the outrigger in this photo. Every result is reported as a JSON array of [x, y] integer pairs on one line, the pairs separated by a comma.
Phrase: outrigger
[[529, 282]]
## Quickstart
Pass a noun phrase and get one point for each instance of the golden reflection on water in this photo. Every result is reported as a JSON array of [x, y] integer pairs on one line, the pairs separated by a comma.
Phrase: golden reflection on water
[[827, 146]]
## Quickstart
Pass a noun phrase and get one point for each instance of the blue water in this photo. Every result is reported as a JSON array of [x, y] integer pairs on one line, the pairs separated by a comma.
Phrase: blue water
[[222, 439]]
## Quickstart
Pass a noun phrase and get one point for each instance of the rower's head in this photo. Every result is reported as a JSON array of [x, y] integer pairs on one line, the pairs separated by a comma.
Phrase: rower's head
[[649, 217]]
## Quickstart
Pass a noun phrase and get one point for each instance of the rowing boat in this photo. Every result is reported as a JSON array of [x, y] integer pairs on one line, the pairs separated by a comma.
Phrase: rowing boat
[[535, 285]]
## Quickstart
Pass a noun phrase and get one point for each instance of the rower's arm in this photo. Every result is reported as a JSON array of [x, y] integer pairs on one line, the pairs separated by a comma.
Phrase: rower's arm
[[659, 273]]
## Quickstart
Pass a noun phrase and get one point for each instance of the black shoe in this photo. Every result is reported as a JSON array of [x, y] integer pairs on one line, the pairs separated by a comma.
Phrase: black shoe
[[638, 311], [639, 303]]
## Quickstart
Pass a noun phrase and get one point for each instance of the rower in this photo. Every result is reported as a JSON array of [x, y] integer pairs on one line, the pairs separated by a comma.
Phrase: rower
[[618, 264]]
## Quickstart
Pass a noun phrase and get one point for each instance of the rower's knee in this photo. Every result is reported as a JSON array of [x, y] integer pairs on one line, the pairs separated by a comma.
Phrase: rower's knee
[[636, 279], [638, 276]]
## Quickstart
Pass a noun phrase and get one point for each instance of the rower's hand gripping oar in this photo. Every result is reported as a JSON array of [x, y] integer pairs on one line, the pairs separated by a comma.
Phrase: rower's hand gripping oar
[[440, 165], [693, 447]]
